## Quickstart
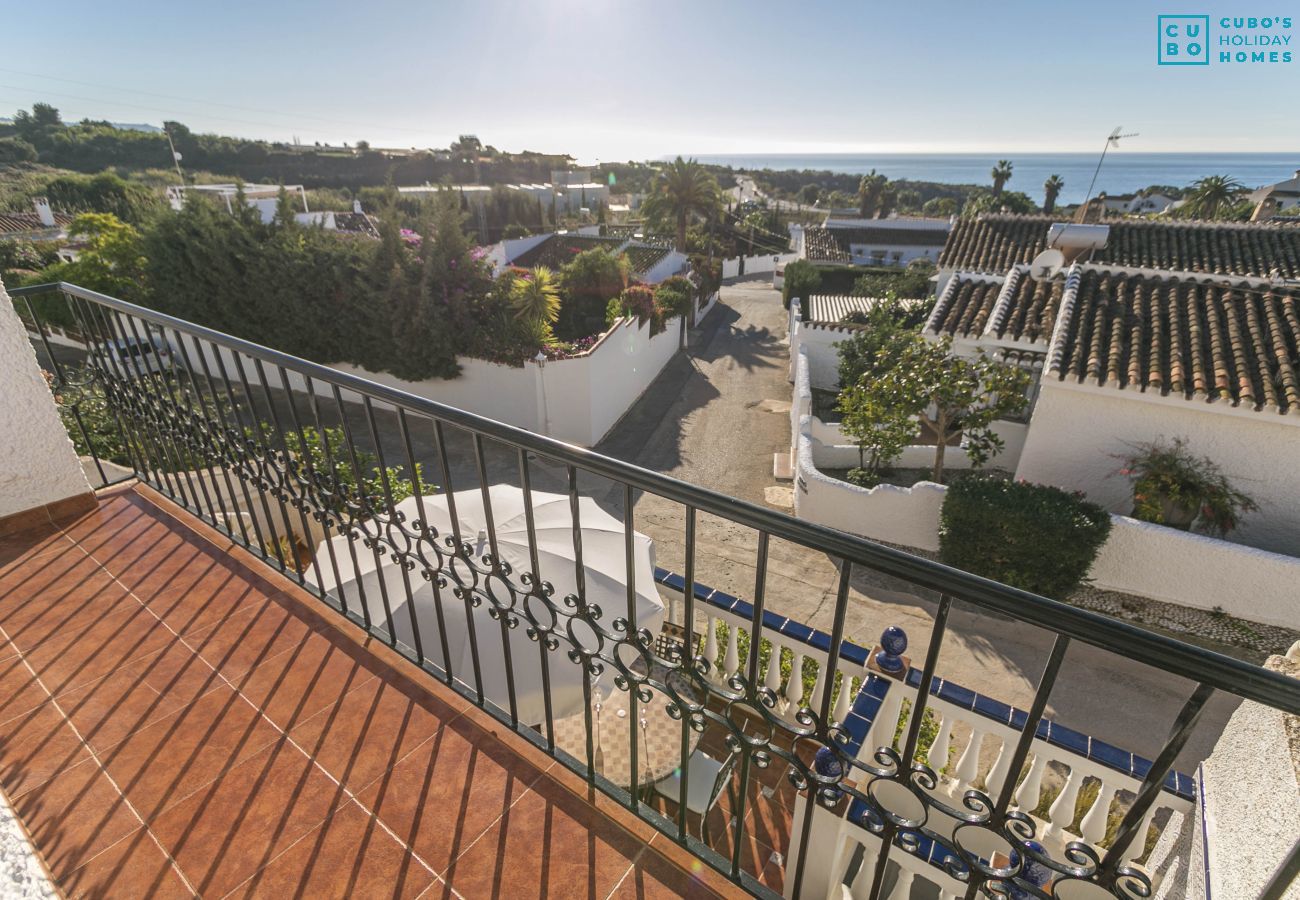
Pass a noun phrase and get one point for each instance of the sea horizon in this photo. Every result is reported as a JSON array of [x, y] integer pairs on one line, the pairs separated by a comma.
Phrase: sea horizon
[[1122, 172]]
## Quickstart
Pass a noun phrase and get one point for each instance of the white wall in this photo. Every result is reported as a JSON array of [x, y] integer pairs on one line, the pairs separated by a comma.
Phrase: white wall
[[581, 399], [1076, 430], [861, 254], [1198, 571], [832, 449], [1138, 558], [704, 310], [673, 264], [39, 465], [755, 264], [817, 342]]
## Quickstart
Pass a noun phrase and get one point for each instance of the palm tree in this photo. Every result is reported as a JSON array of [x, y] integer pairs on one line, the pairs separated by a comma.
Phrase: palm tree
[[1210, 194], [536, 301], [1001, 175], [682, 189], [870, 190], [1051, 190]]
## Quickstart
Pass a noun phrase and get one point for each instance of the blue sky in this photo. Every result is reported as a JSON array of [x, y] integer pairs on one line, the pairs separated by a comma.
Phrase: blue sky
[[607, 79]]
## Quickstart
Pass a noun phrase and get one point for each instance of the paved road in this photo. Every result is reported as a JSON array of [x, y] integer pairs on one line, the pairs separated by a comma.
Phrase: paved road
[[715, 420]]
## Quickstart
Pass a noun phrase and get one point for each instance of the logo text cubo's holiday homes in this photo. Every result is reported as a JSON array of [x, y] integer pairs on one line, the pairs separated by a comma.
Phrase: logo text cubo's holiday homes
[[1198, 40]]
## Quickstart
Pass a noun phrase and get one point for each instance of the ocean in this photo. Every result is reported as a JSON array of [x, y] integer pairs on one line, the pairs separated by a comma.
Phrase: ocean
[[1122, 172]]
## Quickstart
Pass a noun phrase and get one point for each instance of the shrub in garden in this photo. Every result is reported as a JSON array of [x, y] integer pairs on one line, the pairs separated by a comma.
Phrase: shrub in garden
[[1030, 536], [802, 280]]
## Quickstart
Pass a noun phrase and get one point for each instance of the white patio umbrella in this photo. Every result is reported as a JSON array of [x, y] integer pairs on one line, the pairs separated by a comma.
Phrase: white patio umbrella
[[604, 568]]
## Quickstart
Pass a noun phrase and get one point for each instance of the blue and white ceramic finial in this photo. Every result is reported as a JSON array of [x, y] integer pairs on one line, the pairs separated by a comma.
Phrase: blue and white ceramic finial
[[893, 641]]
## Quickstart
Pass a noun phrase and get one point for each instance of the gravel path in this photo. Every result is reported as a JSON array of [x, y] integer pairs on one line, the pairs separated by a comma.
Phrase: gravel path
[[21, 875]]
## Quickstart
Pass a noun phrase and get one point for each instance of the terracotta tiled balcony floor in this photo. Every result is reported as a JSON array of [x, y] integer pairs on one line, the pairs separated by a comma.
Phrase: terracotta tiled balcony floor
[[177, 720]]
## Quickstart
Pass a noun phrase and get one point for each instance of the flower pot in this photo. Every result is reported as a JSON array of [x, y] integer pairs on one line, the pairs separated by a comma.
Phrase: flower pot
[[1177, 513]]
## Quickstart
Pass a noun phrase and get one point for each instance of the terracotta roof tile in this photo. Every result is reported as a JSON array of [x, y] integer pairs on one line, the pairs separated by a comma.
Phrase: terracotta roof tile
[[995, 243], [17, 223], [1239, 343]]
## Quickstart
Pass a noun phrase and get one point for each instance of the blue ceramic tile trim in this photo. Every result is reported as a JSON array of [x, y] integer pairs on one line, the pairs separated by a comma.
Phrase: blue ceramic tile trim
[[1053, 733]]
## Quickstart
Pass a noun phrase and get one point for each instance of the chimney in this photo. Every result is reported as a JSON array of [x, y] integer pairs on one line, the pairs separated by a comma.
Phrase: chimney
[[356, 206], [43, 212]]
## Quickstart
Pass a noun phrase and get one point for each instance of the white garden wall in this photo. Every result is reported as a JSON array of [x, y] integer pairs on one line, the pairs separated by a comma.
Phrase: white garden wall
[[575, 400], [755, 265], [1138, 558], [1077, 430], [40, 464], [1202, 572]]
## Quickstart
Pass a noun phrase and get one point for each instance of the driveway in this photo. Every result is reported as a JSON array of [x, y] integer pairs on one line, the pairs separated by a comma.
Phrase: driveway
[[715, 419]]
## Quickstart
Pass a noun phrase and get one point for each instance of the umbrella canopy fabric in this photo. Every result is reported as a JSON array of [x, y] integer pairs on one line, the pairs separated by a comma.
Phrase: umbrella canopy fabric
[[605, 577]]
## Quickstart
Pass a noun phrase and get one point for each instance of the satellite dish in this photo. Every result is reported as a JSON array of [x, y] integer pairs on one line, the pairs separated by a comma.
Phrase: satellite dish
[[1046, 265]]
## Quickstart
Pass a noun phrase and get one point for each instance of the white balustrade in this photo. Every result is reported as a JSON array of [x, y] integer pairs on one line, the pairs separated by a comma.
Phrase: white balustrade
[[724, 653], [731, 653], [794, 687], [1060, 814], [937, 756], [903, 884], [1029, 794], [998, 774], [968, 766]]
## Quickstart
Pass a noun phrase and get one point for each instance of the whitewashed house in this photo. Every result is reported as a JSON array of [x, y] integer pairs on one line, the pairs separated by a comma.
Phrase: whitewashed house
[[875, 242], [1285, 194], [1127, 354]]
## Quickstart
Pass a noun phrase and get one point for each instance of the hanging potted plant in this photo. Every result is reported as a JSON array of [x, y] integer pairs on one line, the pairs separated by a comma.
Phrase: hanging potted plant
[[1174, 487]]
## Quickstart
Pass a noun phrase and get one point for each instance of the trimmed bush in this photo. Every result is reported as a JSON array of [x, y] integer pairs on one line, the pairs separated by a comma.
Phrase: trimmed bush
[[802, 279], [1030, 536]]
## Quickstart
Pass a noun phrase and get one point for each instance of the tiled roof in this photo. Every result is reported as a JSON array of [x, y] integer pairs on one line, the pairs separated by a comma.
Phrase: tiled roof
[[559, 249], [1239, 343], [995, 243], [832, 244], [355, 223], [17, 223], [965, 307], [1029, 311], [643, 258], [830, 309], [820, 245]]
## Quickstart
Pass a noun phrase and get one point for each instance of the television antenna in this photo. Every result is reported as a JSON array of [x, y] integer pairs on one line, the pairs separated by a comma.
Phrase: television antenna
[[176, 157], [1112, 140]]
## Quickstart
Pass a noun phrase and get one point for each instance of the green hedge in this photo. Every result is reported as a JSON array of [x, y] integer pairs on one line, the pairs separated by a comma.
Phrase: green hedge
[[1030, 536]]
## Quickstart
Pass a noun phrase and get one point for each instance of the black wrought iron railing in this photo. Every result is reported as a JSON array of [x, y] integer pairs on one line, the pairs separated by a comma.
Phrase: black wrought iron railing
[[330, 478]]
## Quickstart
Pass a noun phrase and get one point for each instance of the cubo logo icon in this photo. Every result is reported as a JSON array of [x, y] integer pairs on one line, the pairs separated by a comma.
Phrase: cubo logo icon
[[1183, 40]]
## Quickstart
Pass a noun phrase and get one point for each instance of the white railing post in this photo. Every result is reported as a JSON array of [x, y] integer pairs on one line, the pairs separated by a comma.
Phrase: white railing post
[[794, 687], [937, 756], [711, 646], [843, 701], [903, 885], [1029, 793], [998, 774], [968, 767], [731, 658], [772, 677], [1093, 827], [1061, 814]]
